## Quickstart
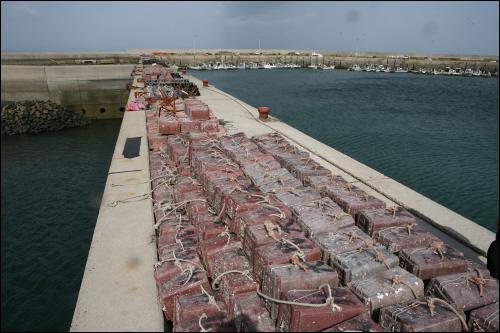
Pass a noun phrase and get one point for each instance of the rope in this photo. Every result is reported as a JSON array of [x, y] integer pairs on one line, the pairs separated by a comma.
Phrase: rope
[[321, 204], [203, 316], [299, 252], [348, 186], [270, 227], [281, 216], [211, 299], [336, 216], [265, 165], [191, 271], [219, 217], [480, 281], [142, 197], [112, 184], [435, 247], [365, 196], [245, 273], [378, 256], [227, 234], [174, 208], [177, 262], [265, 198], [407, 227], [329, 300], [430, 303], [392, 210], [291, 189], [396, 280], [267, 174]]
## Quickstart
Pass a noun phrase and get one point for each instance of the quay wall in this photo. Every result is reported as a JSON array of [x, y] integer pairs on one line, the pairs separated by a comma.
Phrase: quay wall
[[118, 291], [183, 57], [201, 51], [96, 91]]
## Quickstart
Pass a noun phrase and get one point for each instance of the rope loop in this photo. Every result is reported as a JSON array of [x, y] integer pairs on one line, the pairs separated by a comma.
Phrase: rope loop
[[330, 300], [393, 210], [430, 303], [281, 216], [227, 234], [203, 316], [245, 273]]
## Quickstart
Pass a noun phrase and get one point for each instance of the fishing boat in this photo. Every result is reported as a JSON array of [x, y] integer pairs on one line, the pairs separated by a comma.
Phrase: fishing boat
[[323, 66], [355, 68], [399, 70], [467, 72], [198, 67], [243, 66], [270, 65], [368, 68]]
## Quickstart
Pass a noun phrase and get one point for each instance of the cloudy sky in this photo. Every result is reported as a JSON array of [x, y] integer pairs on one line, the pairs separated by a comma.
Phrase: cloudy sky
[[450, 27]]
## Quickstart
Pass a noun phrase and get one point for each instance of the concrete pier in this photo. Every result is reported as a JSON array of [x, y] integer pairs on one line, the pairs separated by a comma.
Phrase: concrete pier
[[118, 291], [96, 91]]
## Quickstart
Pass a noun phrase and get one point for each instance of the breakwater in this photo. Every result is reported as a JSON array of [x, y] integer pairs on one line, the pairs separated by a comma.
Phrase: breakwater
[[38, 116], [96, 91]]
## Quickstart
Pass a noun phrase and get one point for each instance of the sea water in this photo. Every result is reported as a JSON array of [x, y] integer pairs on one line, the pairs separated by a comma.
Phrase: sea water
[[52, 185]]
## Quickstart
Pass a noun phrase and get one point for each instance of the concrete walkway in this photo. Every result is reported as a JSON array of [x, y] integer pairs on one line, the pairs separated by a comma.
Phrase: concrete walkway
[[118, 291]]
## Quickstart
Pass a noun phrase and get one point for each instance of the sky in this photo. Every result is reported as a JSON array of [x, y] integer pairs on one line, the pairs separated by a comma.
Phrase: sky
[[441, 27]]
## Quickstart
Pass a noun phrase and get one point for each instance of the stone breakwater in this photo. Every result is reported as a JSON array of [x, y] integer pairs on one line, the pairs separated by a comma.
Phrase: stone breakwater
[[38, 116]]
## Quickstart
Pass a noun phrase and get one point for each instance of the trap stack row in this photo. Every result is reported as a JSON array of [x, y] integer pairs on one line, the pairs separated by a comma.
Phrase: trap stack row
[[243, 224], [177, 83]]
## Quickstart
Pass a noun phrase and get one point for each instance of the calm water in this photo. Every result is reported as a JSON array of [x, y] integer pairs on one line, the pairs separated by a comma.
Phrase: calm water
[[52, 184], [438, 135]]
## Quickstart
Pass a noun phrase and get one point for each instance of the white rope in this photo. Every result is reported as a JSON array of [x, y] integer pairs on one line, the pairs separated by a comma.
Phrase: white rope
[[142, 197], [203, 316], [245, 273], [329, 300], [211, 299]]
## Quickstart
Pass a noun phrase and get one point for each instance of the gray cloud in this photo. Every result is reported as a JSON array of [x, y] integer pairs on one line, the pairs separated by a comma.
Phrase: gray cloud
[[398, 26], [353, 16], [430, 28], [247, 9]]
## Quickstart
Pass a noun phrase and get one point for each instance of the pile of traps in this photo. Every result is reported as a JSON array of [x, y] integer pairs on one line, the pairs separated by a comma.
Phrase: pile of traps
[[254, 235], [172, 115]]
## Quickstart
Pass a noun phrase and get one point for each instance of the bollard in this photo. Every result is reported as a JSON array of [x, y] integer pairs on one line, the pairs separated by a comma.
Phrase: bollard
[[183, 71], [205, 83], [263, 112]]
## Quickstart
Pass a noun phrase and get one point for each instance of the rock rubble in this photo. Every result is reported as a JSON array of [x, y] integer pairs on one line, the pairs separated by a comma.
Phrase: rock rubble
[[38, 116]]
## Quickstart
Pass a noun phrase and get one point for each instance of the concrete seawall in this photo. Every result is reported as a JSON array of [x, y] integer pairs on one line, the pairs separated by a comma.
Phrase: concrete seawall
[[118, 291], [97, 91]]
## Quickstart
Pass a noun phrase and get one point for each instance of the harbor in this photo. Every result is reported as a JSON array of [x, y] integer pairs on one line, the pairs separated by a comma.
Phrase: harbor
[[118, 290]]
